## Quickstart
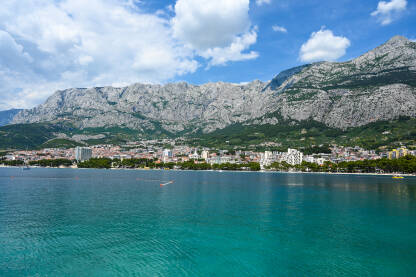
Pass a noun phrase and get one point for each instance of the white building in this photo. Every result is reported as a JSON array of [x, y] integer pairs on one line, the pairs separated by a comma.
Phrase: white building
[[83, 153], [10, 157], [320, 161], [220, 160], [312, 159], [292, 157], [214, 160], [309, 159], [266, 159], [167, 155], [194, 156], [205, 155]]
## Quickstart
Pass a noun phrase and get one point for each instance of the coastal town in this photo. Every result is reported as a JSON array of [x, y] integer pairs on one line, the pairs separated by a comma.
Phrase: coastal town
[[167, 151]]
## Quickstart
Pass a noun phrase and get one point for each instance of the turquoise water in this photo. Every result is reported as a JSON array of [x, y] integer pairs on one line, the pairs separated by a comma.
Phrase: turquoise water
[[65, 222]]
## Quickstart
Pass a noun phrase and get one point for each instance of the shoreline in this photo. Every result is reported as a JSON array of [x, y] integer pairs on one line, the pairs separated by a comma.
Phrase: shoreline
[[234, 171]]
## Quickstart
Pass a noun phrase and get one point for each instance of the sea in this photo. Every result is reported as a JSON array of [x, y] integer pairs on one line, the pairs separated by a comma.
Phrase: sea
[[91, 222]]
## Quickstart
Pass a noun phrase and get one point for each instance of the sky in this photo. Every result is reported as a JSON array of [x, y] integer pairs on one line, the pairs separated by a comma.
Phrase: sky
[[48, 45]]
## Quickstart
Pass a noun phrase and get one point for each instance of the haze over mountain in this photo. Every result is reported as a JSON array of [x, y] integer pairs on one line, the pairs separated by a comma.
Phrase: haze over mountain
[[379, 85], [7, 116]]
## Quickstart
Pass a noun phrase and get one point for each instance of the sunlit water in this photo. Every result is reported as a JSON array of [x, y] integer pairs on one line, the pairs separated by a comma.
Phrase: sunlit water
[[65, 222]]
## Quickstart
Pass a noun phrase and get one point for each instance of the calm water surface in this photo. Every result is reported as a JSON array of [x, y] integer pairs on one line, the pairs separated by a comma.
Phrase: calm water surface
[[66, 222]]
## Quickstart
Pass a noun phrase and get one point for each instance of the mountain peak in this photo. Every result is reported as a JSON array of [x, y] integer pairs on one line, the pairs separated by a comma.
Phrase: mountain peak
[[396, 41], [398, 38], [396, 52]]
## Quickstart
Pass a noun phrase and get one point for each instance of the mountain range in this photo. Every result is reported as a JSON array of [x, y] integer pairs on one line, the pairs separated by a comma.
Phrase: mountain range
[[7, 116], [379, 86]]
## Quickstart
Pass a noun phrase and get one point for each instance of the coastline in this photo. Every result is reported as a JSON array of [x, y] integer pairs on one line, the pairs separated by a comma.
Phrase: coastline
[[234, 171]]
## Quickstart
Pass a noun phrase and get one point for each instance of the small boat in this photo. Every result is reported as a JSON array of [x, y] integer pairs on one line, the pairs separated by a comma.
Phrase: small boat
[[397, 177], [26, 167]]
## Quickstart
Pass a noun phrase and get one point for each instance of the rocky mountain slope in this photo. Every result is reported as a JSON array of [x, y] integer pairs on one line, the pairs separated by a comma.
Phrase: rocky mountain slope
[[7, 116], [173, 107], [379, 85]]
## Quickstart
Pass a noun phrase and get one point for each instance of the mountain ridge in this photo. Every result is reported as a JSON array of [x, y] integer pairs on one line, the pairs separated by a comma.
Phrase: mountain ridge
[[378, 85], [7, 116]]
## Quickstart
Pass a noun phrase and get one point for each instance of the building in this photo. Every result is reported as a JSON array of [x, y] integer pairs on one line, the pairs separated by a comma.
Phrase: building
[[167, 155], [266, 159], [83, 153], [205, 154], [309, 159], [10, 157], [292, 157], [194, 156], [397, 153], [320, 161], [220, 160]]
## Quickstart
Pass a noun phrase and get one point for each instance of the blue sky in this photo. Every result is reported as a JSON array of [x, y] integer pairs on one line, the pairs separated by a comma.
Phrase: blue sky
[[47, 45], [280, 51]]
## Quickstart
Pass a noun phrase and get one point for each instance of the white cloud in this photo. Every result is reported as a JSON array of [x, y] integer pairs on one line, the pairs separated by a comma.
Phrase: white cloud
[[72, 44], [12, 53], [261, 2], [48, 45], [215, 29], [413, 39], [323, 45], [220, 56], [388, 11], [280, 29]]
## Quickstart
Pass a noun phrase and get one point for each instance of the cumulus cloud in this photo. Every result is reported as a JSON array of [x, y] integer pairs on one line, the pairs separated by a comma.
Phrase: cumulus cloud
[[323, 45], [48, 45], [221, 55], [210, 23], [280, 29], [261, 2], [215, 29], [388, 11]]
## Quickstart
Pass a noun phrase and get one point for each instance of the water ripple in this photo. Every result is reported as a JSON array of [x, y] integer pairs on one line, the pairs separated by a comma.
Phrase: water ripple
[[106, 223]]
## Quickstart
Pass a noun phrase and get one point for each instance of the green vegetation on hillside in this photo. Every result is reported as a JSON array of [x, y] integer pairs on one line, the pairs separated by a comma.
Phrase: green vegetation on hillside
[[399, 75], [359, 79], [304, 134], [60, 143], [43, 135], [310, 136], [30, 136]]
